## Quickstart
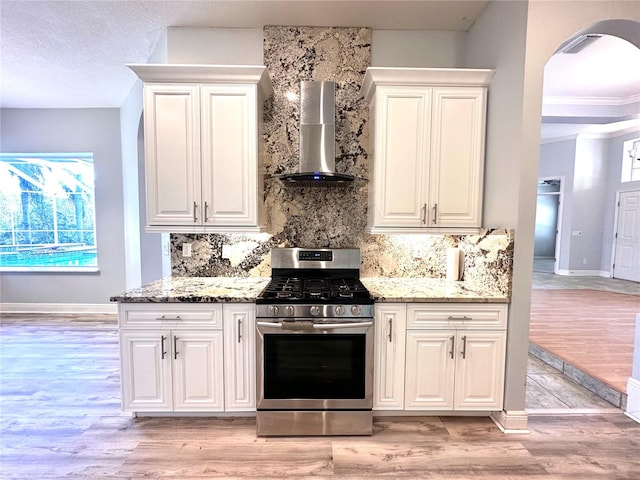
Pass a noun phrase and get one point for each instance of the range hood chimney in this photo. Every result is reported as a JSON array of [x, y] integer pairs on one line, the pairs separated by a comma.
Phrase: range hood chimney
[[317, 138]]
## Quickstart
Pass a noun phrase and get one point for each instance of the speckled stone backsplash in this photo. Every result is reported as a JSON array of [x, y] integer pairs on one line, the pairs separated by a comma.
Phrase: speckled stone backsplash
[[331, 217]]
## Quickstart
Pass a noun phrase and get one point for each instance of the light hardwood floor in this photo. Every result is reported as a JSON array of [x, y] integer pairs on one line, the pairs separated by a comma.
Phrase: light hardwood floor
[[588, 324], [61, 418]]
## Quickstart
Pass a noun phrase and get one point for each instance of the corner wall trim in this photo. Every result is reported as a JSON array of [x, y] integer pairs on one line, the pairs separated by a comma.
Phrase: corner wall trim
[[59, 308], [511, 421], [633, 399]]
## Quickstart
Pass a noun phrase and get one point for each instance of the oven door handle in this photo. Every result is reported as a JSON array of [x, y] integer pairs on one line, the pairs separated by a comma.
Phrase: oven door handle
[[269, 324], [330, 326]]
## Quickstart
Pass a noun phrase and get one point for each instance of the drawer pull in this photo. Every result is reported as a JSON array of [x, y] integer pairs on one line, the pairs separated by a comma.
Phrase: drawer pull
[[167, 317], [451, 317]]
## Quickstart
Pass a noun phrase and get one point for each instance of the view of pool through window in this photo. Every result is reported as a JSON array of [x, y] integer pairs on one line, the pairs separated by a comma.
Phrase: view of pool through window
[[47, 212]]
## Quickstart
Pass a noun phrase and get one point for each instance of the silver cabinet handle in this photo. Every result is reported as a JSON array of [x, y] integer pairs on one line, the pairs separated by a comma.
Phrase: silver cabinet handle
[[195, 217], [452, 339], [175, 348], [239, 330], [464, 346], [162, 340], [206, 212], [390, 329], [167, 317], [424, 214], [435, 213], [451, 317]]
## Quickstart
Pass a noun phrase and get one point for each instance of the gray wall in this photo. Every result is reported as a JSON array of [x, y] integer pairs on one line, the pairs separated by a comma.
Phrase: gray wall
[[506, 173], [413, 48], [73, 130], [591, 169], [557, 159]]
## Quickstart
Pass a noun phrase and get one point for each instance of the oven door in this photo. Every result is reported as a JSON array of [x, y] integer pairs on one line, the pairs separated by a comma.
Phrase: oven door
[[302, 365]]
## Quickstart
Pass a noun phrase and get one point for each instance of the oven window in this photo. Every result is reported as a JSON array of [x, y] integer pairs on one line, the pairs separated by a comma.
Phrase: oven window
[[308, 366]]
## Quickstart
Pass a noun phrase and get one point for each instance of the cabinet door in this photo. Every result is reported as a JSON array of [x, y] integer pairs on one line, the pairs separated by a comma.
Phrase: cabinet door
[[229, 154], [480, 370], [389, 357], [239, 354], [197, 370], [146, 371], [403, 124], [172, 154], [457, 157], [429, 370]]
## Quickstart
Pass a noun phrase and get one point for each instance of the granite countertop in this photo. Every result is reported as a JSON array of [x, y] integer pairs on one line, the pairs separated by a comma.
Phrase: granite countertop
[[196, 289], [238, 290], [413, 290]]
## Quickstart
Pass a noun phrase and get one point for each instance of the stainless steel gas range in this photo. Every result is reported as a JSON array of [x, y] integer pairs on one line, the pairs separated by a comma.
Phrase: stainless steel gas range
[[314, 345]]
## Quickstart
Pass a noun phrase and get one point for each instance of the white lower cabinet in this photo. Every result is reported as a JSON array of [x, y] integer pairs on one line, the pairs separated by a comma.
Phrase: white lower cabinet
[[196, 358], [197, 371], [239, 357], [388, 379], [443, 357], [456, 370]]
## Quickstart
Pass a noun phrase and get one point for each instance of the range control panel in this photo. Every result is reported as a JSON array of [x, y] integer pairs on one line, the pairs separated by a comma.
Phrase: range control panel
[[315, 256]]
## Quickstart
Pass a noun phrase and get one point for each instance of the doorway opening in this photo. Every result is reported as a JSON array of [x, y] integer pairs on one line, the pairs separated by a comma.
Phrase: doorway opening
[[548, 224]]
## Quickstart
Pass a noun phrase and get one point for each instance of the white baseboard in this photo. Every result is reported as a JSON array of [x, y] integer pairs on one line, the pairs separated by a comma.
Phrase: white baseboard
[[512, 421], [633, 399], [584, 273], [59, 308]]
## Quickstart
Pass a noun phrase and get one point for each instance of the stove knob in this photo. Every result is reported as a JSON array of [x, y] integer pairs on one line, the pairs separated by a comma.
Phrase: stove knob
[[339, 310], [356, 310], [314, 310], [273, 310], [288, 310]]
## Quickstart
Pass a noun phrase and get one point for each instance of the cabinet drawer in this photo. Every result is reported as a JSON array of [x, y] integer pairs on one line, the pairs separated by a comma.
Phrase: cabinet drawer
[[436, 315], [164, 315]]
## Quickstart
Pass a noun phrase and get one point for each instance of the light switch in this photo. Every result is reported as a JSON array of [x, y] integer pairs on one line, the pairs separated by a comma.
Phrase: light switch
[[186, 249]]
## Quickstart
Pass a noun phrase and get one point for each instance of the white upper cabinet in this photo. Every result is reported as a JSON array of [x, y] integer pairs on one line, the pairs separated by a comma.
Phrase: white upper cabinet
[[203, 164], [428, 129]]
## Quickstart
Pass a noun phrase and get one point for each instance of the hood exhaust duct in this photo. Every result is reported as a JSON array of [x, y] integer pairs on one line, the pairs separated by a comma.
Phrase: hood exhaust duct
[[317, 138]]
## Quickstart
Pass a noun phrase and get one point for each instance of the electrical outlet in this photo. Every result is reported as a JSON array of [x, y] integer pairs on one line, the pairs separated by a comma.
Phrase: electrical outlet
[[226, 251], [584, 261], [186, 249]]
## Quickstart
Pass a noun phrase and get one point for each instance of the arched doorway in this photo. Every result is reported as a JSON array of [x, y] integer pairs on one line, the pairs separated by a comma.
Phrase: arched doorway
[[580, 138]]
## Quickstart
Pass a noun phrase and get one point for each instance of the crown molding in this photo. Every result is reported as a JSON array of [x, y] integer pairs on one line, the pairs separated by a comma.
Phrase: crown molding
[[590, 101]]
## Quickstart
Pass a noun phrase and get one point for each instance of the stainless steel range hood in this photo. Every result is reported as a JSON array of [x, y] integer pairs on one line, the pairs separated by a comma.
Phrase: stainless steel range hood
[[317, 138]]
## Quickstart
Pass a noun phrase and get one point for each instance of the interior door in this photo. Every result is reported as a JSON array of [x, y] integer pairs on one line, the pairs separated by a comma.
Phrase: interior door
[[627, 239]]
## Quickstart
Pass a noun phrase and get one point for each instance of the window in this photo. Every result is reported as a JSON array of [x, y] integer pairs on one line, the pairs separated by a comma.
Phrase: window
[[47, 212], [631, 161]]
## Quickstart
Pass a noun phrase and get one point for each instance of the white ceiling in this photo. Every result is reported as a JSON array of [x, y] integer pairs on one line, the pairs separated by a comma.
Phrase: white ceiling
[[72, 54]]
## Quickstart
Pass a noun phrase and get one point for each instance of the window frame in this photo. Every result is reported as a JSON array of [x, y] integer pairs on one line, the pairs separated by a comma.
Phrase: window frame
[[57, 184]]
